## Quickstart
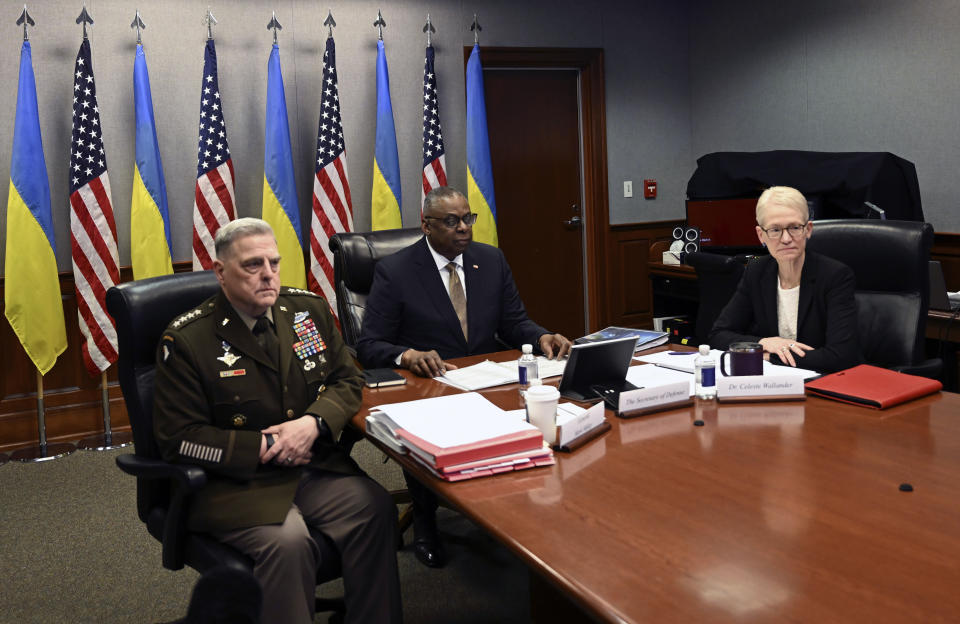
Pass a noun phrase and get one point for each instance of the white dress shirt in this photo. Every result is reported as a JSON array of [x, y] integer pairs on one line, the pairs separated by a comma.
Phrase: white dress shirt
[[442, 263]]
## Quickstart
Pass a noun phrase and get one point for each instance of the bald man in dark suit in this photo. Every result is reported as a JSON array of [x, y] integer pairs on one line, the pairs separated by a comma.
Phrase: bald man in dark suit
[[419, 315]]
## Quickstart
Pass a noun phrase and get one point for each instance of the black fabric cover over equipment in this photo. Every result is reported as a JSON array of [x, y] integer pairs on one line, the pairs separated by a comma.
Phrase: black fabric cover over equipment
[[890, 262], [142, 310], [355, 255], [838, 183]]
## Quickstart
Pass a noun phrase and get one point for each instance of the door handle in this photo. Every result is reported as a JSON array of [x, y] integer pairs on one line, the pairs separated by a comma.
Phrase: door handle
[[575, 221]]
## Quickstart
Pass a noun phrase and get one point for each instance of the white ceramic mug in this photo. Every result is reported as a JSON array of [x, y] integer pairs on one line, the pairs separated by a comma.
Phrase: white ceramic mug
[[542, 410]]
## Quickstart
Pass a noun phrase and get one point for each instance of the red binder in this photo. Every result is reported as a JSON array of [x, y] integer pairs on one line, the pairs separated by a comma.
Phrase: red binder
[[482, 449], [872, 386]]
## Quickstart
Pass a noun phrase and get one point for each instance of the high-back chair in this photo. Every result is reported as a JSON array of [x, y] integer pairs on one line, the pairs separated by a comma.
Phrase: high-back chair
[[354, 257], [890, 262], [142, 310], [717, 279]]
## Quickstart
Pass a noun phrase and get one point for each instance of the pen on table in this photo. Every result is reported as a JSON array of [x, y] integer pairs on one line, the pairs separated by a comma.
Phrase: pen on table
[[681, 352]]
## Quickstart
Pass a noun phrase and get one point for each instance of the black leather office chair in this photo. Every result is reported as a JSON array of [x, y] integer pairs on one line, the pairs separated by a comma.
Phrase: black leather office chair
[[142, 310], [354, 257], [890, 262], [717, 279]]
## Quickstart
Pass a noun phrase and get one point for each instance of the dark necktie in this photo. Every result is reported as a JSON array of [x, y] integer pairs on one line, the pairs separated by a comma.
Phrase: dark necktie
[[267, 339], [457, 297]]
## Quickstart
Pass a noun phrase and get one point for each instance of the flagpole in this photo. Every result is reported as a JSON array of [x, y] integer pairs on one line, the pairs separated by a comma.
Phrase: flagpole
[[100, 268], [43, 452], [107, 440]]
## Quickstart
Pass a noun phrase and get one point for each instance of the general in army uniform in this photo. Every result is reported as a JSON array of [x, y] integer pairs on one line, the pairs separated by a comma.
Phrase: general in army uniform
[[256, 385]]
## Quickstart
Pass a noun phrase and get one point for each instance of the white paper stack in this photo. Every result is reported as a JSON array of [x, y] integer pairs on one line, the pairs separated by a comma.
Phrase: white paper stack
[[461, 436], [489, 374]]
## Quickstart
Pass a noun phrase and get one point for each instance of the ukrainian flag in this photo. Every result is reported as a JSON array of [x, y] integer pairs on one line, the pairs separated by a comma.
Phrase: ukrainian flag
[[385, 205], [479, 167], [281, 209], [149, 218], [32, 289]]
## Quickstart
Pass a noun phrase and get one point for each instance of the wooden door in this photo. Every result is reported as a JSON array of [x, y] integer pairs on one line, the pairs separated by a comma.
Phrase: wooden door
[[533, 120], [547, 126]]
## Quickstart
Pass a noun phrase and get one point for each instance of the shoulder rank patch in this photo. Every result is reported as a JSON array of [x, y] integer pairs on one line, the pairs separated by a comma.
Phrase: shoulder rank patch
[[183, 319], [286, 290]]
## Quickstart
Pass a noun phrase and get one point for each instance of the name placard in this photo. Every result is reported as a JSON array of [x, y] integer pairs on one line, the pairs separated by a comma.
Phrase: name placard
[[570, 426], [761, 388], [654, 399]]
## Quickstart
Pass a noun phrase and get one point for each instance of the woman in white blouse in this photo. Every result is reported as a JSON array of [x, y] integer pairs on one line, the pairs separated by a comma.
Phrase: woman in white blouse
[[799, 306]]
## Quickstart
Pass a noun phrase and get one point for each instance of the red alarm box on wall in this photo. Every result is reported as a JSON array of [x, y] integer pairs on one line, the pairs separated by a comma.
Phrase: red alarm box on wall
[[649, 189]]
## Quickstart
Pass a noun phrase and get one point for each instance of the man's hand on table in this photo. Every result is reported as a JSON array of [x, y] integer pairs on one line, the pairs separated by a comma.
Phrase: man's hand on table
[[425, 363], [554, 346]]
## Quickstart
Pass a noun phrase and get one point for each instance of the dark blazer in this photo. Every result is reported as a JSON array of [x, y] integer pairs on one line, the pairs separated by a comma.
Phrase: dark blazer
[[216, 389], [409, 307], [826, 315]]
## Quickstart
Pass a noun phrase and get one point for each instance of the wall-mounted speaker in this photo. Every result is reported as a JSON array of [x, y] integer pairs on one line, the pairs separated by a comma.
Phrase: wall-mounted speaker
[[691, 239]]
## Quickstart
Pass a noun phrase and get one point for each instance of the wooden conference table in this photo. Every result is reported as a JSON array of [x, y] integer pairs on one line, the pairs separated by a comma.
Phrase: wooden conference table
[[769, 512]]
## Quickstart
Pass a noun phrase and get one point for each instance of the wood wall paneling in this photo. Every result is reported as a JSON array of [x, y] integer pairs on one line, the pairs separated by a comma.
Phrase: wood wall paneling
[[72, 397], [629, 301]]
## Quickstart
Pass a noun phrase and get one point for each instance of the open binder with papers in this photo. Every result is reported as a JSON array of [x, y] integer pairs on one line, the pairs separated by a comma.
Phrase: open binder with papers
[[489, 374], [461, 436]]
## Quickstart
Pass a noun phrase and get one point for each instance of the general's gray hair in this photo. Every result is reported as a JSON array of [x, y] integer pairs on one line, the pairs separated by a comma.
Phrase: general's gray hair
[[438, 195], [238, 228], [782, 196]]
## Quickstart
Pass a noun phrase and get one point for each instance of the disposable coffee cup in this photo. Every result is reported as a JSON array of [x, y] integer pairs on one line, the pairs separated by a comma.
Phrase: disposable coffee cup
[[542, 410]]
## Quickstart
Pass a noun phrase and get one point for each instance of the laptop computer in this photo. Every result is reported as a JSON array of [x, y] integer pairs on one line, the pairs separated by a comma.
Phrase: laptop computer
[[598, 369], [939, 300]]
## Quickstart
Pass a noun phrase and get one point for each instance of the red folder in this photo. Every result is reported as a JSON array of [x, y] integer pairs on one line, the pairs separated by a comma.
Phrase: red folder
[[872, 386], [545, 460], [484, 449], [488, 463]]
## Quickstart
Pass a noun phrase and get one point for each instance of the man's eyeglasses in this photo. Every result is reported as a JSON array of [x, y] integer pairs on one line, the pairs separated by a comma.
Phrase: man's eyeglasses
[[452, 220], [776, 231]]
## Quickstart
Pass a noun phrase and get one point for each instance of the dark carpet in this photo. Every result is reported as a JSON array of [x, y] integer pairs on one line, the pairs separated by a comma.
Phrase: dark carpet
[[73, 550]]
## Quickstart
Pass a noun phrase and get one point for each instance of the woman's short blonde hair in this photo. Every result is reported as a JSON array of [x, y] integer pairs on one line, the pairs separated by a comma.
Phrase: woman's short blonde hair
[[782, 196]]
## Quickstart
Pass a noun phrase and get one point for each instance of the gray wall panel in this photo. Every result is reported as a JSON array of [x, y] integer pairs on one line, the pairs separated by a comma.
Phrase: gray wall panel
[[648, 107], [856, 75], [682, 80], [653, 142]]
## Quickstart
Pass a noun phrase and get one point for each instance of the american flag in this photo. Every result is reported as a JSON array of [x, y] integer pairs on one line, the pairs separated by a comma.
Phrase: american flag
[[332, 209], [213, 198], [93, 231], [434, 161]]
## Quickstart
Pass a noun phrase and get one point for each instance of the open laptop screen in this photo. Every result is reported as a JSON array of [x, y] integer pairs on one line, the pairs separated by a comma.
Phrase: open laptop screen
[[596, 363]]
